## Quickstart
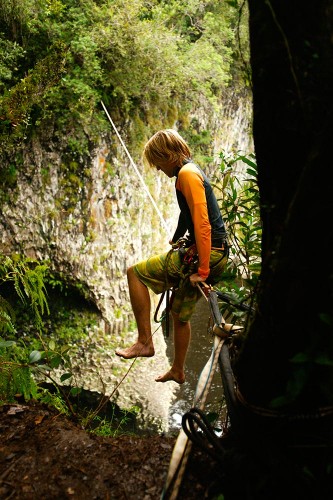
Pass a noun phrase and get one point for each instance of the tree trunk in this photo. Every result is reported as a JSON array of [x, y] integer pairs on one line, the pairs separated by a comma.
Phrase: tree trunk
[[286, 362]]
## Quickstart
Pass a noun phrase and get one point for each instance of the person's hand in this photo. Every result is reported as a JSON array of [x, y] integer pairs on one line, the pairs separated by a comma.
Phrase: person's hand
[[196, 278]]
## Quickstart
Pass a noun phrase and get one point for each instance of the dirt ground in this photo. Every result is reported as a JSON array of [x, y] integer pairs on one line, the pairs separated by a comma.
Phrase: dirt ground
[[44, 455]]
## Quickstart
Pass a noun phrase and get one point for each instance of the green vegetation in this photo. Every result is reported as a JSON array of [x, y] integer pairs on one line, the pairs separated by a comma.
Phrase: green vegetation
[[16, 361], [150, 62], [115, 424], [238, 195], [40, 336], [48, 333], [27, 277]]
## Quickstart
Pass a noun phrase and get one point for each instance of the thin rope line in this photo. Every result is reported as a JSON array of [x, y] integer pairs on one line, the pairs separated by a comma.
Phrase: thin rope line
[[138, 173]]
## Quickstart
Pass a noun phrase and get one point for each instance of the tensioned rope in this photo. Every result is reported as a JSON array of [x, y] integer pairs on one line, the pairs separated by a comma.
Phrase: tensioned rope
[[137, 172], [183, 446]]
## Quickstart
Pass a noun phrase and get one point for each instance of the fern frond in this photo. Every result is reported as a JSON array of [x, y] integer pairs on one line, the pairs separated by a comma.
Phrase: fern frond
[[28, 280], [7, 316], [16, 379]]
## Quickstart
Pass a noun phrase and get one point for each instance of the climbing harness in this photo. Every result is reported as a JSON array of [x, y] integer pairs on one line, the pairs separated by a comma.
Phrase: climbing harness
[[189, 257], [165, 316]]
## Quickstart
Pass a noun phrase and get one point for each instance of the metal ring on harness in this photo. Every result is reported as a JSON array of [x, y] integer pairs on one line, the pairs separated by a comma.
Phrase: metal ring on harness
[[179, 245], [165, 313]]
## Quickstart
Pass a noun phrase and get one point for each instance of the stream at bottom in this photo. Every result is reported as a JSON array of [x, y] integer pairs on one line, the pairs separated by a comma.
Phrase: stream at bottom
[[199, 352], [131, 383], [162, 405]]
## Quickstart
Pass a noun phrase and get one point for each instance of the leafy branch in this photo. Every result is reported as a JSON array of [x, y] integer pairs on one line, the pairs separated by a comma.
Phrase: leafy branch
[[238, 195], [28, 280]]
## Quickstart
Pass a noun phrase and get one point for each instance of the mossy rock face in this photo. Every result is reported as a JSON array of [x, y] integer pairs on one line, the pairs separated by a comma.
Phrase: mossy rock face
[[76, 213], [8, 177], [73, 198]]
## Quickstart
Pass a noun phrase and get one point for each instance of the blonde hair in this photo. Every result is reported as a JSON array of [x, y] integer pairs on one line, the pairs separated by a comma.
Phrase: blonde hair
[[166, 147]]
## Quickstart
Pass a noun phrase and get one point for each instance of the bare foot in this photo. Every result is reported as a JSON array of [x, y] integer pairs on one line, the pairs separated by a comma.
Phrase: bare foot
[[136, 350], [171, 375]]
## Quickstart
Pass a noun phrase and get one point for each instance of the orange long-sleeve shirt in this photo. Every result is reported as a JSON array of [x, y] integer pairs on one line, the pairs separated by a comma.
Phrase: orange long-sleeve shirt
[[199, 214]]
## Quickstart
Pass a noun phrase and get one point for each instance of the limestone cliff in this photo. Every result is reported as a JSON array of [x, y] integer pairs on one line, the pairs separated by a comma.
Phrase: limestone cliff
[[90, 217]]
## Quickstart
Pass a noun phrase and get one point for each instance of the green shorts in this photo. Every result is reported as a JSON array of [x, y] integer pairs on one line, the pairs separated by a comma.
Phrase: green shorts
[[161, 272]]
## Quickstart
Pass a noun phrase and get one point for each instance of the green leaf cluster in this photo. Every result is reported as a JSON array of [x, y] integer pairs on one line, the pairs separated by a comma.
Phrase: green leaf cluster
[[237, 190], [22, 357], [144, 60], [15, 379], [27, 277]]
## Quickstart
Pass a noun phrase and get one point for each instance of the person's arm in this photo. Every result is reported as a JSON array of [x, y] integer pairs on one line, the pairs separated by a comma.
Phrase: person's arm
[[192, 187], [181, 228]]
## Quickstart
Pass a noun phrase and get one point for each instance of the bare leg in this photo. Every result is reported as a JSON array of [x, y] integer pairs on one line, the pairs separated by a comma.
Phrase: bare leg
[[140, 301], [182, 337]]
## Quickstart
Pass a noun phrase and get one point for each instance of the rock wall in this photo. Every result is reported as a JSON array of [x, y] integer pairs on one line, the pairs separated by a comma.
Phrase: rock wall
[[91, 223]]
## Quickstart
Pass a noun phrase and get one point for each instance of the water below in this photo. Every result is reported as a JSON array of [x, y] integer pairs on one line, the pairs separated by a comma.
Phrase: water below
[[199, 352], [131, 383]]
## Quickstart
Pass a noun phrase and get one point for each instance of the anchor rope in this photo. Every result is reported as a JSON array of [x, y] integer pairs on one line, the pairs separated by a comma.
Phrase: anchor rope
[[165, 226]]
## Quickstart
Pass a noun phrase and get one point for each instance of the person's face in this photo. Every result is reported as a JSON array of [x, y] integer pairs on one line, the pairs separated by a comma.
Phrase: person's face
[[167, 170]]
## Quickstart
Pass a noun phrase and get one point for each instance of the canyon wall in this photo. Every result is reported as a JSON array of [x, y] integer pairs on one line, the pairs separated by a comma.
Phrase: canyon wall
[[91, 223]]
